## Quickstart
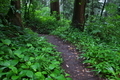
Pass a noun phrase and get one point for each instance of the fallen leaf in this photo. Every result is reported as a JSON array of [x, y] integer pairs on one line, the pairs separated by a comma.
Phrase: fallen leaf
[[67, 65]]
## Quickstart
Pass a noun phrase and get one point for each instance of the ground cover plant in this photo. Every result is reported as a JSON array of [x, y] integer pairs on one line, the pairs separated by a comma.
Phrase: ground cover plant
[[100, 46], [25, 56], [42, 22]]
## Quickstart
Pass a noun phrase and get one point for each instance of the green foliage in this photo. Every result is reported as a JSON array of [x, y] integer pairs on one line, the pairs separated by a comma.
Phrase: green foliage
[[67, 8], [4, 7], [99, 52], [28, 57], [43, 22], [111, 8], [105, 29]]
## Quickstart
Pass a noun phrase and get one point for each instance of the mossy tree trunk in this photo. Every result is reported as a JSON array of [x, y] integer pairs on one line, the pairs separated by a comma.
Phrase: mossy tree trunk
[[14, 13], [78, 19], [54, 6]]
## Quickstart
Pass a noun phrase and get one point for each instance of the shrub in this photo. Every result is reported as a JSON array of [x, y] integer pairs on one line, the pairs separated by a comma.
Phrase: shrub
[[99, 54], [29, 57], [42, 22]]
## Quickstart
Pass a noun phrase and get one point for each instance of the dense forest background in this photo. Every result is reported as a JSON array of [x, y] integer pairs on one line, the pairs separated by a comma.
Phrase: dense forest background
[[93, 26]]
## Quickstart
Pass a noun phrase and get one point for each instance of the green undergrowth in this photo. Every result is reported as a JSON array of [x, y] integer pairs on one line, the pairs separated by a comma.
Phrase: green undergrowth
[[103, 56], [25, 56], [43, 22]]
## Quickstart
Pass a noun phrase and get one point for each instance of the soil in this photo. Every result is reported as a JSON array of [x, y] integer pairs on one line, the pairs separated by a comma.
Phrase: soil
[[72, 64]]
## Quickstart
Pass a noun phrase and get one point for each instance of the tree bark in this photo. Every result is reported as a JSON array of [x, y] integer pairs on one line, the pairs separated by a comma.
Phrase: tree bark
[[54, 5], [14, 13], [103, 8], [27, 9], [78, 19]]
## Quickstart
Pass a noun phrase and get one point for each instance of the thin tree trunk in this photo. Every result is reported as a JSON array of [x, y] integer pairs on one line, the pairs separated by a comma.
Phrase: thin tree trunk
[[79, 14], [25, 11], [14, 13], [103, 8], [54, 5]]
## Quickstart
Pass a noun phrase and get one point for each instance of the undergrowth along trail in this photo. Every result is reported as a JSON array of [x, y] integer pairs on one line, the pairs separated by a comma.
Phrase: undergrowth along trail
[[72, 64]]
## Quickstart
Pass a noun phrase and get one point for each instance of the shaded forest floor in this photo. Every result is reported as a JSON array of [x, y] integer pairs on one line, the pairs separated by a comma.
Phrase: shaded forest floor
[[72, 64]]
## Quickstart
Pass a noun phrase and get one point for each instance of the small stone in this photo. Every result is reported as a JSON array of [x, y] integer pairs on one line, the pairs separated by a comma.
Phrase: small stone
[[67, 65]]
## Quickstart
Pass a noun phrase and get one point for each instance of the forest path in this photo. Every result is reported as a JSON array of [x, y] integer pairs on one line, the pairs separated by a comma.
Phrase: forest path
[[71, 64]]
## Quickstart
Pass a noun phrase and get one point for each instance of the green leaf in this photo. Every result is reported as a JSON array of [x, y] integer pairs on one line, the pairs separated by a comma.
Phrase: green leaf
[[5, 63], [35, 66], [13, 62], [111, 70], [9, 63], [56, 71], [2, 52], [17, 52], [53, 75], [14, 69], [21, 56], [25, 79], [10, 51], [67, 74], [1, 25], [52, 66], [23, 73], [24, 66], [44, 72], [55, 62], [26, 58], [29, 63], [32, 58], [40, 75], [68, 78], [1, 74], [48, 79], [1, 44], [6, 41], [61, 77], [23, 49], [29, 73], [29, 45], [1, 59], [15, 77]]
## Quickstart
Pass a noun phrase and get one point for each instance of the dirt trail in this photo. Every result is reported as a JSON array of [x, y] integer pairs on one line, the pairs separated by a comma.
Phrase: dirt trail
[[71, 64]]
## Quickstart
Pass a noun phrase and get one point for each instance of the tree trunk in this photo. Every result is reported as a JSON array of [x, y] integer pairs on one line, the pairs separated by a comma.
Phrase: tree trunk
[[79, 14], [14, 14], [54, 5], [25, 10], [103, 8]]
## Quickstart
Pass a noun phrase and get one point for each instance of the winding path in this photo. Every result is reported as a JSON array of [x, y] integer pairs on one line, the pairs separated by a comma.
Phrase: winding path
[[72, 64]]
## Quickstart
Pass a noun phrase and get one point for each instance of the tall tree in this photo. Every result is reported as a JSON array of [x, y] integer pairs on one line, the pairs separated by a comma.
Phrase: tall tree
[[27, 6], [25, 2], [14, 13], [54, 5], [103, 8], [78, 19]]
